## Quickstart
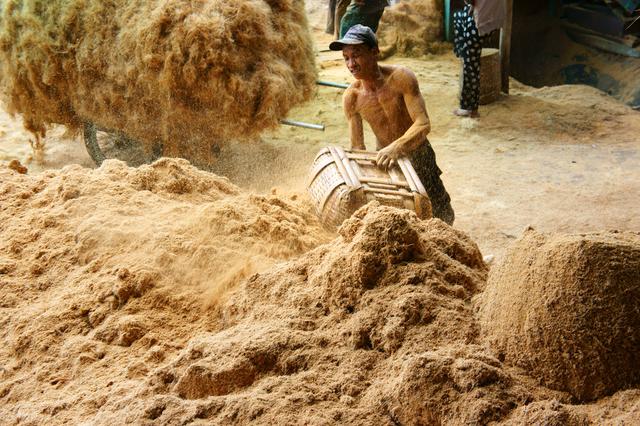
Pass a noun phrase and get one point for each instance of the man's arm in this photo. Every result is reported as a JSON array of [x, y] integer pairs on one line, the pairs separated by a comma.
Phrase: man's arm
[[356, 132], [415, 135]]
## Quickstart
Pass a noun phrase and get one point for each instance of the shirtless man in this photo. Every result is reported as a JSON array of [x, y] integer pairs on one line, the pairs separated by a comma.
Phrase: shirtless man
[[388, 98]]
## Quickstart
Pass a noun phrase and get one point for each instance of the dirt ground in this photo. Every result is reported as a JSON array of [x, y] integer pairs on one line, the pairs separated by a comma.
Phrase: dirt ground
[[561, 159]]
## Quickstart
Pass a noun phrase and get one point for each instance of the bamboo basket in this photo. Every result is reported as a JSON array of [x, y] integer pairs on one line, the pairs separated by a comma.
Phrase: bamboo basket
[[341, 181], [490, 77]]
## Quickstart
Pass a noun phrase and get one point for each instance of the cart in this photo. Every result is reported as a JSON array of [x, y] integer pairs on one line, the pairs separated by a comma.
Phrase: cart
[[102, 144]]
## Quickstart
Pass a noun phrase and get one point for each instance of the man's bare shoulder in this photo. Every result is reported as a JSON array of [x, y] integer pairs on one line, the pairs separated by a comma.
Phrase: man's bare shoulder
[[354, 88], [401, 78], [352, 91], [350, 97], [397, 70]]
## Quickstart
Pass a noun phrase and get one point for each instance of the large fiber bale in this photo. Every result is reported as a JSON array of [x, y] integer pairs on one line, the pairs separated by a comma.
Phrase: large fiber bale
[[412, 28], [566, 309], [176, 71]]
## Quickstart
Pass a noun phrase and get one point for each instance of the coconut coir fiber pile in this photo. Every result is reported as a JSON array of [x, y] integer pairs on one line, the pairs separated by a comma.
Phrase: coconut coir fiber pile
[[152, 296], [191, 72], [412, 28]]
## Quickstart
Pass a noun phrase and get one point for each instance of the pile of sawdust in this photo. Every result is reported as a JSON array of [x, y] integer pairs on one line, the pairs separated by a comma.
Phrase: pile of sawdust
[[412, 28], [151, 295], [190, 72], [200, 229], [103, 271], [565, 308], [102, 320], [347, 333]]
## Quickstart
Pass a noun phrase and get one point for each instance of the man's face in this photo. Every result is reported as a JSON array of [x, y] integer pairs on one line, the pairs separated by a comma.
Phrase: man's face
[[361, 60]]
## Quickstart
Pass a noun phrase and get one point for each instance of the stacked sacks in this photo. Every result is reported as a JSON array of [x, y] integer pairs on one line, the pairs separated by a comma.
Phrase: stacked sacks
[[565, 308], [181, 72]]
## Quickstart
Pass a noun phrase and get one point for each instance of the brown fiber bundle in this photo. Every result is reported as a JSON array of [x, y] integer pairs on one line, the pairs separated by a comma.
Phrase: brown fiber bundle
[[181, 72], [412, 28]]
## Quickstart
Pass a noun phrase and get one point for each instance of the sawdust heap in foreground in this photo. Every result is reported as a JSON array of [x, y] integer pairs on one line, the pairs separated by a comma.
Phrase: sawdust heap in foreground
[[566, 309], [187, 73], [151, 296]]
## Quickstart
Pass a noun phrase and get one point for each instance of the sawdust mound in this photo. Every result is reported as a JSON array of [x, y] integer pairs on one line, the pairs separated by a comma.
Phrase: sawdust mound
[[165, 295], [412, 28], [623, 408], [565, 309], [106, 273], [99, 326], [373, 328], [191, 72], [194, 225], [549, 413]]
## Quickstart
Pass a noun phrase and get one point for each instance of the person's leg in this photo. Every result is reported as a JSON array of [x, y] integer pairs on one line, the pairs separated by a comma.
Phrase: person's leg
[[373, 20], [423, 160], [473, 71], [350, 18], [341, 9], [360, 15], [470, 93], [331, 15]]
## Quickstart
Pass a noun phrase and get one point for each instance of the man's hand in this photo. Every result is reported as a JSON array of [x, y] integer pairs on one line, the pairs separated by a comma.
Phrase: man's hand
[[387, 157]]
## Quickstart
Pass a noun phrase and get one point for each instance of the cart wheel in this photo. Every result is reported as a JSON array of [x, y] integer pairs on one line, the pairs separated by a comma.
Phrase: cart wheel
[[105, 144]]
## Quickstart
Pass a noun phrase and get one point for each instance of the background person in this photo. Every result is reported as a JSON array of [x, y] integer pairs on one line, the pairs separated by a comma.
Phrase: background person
[[364, 12], [471, 26]]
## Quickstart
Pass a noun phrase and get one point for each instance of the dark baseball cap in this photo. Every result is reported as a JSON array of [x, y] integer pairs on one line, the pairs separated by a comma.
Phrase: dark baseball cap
[[358, 34]]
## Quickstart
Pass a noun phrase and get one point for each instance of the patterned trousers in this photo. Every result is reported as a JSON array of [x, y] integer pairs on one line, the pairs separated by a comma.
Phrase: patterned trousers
[[423, 160], [468, 46]]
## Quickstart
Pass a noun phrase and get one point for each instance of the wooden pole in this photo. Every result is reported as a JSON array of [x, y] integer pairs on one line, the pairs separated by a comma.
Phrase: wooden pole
[[505, 46]]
